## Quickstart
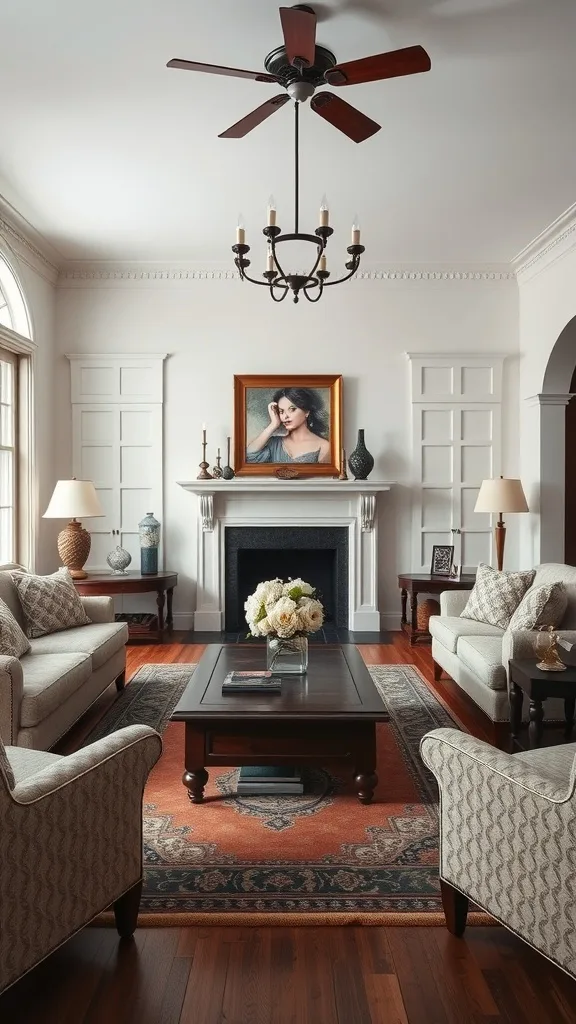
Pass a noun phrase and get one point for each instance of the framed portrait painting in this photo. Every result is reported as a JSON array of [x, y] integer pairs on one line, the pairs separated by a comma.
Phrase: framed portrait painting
[[288, 420]]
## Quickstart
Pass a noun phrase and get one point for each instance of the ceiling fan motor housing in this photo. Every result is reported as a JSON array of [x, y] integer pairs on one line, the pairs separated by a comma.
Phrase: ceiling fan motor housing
[[277, 63]]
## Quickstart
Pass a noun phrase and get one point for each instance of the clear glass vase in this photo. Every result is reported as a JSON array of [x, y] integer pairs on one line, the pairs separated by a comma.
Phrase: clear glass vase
[[287, 656]]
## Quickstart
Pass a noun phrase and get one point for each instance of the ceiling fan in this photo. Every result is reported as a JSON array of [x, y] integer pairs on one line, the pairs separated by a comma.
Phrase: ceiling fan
[[300, 66]]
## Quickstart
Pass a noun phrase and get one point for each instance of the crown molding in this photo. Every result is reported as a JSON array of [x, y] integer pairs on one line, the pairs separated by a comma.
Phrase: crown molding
[[27, 244], [86, 274], [554, 242]]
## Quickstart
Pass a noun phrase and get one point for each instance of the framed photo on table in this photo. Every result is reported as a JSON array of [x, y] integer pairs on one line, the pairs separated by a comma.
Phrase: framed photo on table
[[442, 558], [288, 420]]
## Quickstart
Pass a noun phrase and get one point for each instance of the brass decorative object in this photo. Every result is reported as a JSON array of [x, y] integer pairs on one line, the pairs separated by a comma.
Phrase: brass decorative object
[[286, 473], [204, 467], [545, 646], [217, 471], [343, 475]]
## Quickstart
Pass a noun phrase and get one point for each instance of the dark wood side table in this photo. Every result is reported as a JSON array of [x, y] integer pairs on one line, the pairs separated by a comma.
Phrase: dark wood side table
[[423, 583], [539, 685], [104, 584]]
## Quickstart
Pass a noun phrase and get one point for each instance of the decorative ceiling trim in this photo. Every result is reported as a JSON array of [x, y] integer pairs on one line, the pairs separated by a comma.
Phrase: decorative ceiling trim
[[138, 274], [16, 233], [556, 241]]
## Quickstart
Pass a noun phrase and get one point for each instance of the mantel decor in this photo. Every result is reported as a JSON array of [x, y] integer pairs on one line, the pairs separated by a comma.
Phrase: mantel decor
[[278, 281], [288, 421]]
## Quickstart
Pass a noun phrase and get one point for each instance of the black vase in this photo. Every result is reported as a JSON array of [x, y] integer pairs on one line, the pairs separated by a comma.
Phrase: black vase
[[360, 461]]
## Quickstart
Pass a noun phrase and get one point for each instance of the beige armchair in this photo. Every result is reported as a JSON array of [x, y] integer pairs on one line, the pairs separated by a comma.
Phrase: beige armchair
[[507, 838], [70, 842]]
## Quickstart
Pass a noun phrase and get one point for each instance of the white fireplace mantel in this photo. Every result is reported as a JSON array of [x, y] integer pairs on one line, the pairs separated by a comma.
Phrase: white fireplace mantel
[[266, 501]]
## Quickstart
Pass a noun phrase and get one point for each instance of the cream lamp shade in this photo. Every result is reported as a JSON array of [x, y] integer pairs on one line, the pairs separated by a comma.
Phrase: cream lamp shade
[[501, 495], [74, 500]]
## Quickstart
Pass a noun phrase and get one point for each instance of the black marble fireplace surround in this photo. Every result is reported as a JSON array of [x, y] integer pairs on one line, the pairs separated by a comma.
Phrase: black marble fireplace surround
[[319, 554]]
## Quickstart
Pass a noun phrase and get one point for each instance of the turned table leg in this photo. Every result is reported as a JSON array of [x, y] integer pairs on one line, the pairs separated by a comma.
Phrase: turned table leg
[[169, 618], [195, 782], [569, 705], [535, 729], [365, 777], [160, 600], [516, 701], [414, 616], [404, 597]]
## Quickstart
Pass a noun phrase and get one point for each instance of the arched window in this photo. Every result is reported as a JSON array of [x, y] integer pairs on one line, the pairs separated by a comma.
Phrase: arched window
[[13, 313], [16, 470]]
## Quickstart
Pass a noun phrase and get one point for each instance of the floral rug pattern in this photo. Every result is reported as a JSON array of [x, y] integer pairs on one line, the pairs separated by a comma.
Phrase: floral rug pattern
[[319, 852]]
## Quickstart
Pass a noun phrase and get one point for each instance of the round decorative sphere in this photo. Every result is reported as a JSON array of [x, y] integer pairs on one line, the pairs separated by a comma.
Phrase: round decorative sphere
[[119, 559]]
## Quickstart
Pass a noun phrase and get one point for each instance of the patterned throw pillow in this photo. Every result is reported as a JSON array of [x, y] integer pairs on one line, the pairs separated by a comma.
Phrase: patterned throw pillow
[[496, 595], [541, 606], [49, 603], [13, 641], [5, 764]]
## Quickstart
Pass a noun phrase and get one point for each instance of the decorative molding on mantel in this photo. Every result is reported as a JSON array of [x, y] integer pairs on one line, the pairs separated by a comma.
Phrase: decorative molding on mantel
[[548, 399], [365, 490], [85, 274], [556, 241]]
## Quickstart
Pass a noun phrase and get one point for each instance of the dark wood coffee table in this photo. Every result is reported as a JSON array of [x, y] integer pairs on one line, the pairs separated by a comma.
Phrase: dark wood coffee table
[[327, 715]]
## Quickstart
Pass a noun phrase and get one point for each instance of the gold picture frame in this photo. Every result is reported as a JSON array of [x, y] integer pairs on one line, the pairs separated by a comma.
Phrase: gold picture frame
[[259, 448]]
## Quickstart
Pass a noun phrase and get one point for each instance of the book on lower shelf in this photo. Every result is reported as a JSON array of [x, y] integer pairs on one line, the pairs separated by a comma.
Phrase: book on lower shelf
[[274, 780], [270, 788], [251, 682]]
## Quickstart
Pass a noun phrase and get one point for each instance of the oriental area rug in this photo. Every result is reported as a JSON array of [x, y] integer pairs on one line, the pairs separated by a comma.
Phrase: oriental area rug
[[318, 858]]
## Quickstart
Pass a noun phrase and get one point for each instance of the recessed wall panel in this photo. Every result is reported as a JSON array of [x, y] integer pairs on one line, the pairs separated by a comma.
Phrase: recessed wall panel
[[437, 380], [135, 427], [97, 380], [96, 426], [436, 508], [476, 463], [135, 466], [476, 426], [477, 383], [436, 464], [134, 504], [437, 426], [97, 464], [476, 548]]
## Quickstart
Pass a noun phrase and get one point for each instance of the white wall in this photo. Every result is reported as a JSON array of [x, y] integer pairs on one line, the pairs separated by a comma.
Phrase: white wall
[[547, 301], [215, 328], [39, 292]]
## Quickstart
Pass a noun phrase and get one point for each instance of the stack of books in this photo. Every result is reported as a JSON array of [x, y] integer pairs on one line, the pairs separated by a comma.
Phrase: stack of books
[[251, 682], [275, 780]]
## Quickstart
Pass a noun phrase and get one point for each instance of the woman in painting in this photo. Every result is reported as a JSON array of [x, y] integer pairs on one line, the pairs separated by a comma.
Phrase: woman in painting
[[300, 412]]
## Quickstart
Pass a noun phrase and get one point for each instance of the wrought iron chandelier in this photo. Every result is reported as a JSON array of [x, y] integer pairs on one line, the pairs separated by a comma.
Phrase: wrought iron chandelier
[[277, 280]]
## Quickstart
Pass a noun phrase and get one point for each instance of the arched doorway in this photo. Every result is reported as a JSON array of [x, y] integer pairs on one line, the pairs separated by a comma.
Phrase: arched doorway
[[570, 498], [558, 451]]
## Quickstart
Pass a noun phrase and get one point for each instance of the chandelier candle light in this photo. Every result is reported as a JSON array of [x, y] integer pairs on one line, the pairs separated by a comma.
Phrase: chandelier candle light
[[277, 280]]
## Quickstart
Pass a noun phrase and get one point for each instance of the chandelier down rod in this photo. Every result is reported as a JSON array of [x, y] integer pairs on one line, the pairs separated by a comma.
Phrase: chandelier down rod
[[276, 280]]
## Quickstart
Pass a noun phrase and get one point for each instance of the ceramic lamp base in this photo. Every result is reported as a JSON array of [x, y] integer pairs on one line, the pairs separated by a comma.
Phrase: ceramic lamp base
[[74, 547]]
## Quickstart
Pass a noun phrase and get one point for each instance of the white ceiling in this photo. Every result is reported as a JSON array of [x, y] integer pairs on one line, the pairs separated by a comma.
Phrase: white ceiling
[[111, 155]]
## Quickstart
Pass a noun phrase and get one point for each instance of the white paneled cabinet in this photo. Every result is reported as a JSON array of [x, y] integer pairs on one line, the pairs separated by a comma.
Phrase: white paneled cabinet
[[456, 434], [117, 443]]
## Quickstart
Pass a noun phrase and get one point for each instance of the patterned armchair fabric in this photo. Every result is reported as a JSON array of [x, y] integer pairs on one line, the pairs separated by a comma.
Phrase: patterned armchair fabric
[[507, 836], [70, 842]]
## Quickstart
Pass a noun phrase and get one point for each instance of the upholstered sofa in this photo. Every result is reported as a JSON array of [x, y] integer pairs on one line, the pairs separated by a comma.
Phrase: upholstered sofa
[[476, 655], [45, 691], [507, 825]]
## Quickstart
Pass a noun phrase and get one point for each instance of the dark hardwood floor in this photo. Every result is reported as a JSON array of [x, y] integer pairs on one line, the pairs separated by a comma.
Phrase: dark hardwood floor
[[350, 975]]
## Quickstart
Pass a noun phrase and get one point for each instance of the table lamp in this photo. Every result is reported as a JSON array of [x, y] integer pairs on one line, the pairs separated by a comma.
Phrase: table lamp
[[74, 499], [498, 496]]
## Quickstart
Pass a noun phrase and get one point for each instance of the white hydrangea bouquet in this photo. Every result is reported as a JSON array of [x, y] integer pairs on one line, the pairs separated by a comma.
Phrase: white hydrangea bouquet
[[285, 613]]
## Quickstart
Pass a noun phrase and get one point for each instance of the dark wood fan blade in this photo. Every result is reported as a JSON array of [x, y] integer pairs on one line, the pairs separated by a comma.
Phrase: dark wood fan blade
[[215, 69], [346, 118], [299, 28], [241, 128], [409, 61]]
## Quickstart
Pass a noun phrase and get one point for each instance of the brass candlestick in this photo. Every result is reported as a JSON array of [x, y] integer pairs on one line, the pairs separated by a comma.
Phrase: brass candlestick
[[343, 475], [204, 474]]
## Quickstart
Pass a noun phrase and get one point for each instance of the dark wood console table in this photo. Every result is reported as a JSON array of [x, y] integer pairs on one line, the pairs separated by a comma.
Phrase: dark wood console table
[[423, 583], [105, 584]]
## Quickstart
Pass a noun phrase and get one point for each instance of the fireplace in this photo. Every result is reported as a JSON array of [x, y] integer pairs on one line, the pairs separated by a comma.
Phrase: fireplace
[[317, 554], [336, 520]]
